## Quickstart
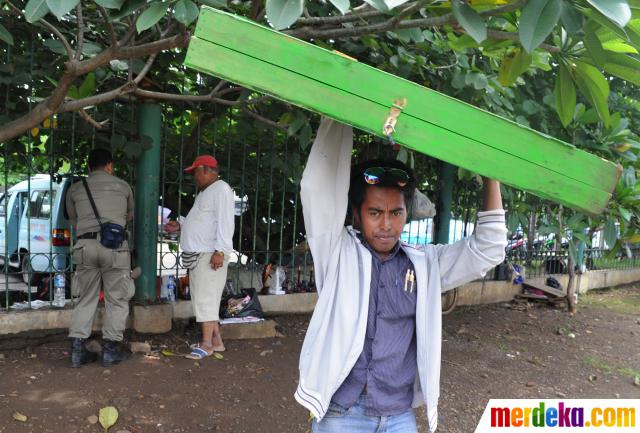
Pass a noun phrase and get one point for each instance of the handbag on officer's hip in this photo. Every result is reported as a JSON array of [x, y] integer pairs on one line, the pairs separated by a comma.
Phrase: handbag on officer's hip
[[112, 235]]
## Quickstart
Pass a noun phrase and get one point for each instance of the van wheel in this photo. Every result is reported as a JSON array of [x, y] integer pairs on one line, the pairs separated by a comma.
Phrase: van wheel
[[27, 270]]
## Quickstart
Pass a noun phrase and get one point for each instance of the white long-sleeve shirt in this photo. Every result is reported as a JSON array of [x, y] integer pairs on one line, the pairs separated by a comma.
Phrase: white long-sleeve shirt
[[209, 226], [336, 333]]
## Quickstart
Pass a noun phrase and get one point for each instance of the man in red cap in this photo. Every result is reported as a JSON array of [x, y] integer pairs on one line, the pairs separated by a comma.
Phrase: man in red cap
[[206, 241]]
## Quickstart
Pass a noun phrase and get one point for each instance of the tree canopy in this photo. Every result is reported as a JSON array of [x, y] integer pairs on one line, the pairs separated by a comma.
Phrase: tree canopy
[[568, 68]]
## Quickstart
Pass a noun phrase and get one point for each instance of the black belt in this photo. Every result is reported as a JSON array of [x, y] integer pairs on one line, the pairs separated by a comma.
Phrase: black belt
[[90, 235]]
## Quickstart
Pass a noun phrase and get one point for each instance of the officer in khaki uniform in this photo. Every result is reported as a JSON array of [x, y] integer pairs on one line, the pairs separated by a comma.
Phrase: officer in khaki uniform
[[97, 266]]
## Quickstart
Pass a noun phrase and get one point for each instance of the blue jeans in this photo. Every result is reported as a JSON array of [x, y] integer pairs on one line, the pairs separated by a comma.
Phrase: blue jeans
[[354, 420]]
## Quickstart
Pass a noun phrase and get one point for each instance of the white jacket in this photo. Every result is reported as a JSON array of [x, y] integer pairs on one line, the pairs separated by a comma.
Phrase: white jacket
[[336, 333]]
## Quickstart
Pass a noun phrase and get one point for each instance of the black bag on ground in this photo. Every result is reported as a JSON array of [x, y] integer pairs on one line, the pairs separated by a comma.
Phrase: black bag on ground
[[243, 304]]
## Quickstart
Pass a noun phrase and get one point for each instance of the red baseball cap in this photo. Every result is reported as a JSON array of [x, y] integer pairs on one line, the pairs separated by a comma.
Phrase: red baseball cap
[[202, 161]]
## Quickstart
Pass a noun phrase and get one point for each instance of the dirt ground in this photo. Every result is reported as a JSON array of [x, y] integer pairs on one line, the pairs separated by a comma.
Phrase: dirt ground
[[494, 351]]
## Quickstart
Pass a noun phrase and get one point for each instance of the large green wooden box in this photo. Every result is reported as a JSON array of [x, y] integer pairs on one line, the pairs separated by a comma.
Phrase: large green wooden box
[[303, 74]]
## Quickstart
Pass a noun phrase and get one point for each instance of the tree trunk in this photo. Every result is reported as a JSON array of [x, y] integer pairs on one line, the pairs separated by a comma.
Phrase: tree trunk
[[572, 298]]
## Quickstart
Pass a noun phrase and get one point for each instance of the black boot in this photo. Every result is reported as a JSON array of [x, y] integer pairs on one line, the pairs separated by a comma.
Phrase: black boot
[[113, 353], [80, 354]]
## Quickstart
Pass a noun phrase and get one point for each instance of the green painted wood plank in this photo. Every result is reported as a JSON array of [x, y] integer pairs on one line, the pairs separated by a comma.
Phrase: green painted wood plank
[[359, 79], [366, 115]]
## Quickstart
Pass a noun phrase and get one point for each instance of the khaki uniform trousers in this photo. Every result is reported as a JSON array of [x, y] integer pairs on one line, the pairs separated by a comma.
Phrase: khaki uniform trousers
[[99, 267]]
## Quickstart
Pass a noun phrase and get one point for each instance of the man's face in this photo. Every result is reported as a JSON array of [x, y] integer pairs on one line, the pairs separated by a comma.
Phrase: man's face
[[382, 216], [203, 176]]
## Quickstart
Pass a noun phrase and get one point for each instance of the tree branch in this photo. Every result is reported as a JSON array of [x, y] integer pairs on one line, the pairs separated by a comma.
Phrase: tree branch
[[53, 30], [145, 68], [211, 97], [74, 69], [339, 19], [390, 24], [90, 120], [80, 41], [77, 104], [264, 119], [43, 110], [112, 31]]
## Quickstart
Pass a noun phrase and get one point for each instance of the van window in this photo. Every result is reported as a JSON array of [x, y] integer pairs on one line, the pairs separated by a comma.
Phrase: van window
[[40, 204], [3, 203]]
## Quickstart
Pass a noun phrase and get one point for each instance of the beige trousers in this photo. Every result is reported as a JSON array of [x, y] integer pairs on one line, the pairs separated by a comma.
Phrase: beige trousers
[[206, 286], [99, 267]]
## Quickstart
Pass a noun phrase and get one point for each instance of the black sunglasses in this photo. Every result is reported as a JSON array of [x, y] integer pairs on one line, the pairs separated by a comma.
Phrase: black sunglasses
[[387, 175]]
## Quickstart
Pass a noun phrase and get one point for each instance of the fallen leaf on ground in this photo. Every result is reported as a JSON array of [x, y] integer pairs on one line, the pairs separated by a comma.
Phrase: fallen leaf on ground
[[168, 353], [19, 417], [217, 355], [108, 417]]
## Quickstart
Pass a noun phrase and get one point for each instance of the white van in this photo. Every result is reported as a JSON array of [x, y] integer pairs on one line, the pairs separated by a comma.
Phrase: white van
[[35, 234]]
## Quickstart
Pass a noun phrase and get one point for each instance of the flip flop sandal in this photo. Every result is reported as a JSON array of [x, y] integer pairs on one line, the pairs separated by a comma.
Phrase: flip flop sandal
[[215, 348], [198, 353]]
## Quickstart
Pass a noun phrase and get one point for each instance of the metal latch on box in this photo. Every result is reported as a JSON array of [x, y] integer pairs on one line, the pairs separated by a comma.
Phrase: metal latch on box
[[389, 126]]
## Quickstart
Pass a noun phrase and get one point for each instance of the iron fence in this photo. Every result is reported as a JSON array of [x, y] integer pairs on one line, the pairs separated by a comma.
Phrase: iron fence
[[545, 262]]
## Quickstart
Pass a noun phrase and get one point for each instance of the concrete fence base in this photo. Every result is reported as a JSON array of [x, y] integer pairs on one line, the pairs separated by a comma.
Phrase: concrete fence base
[[157, 319]]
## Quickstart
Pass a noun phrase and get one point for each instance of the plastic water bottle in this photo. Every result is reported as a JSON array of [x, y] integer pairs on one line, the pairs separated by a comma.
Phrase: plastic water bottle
[[171, 289], [58, 290]]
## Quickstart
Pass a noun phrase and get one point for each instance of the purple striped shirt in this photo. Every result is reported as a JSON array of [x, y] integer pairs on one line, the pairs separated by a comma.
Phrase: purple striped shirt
[[386, 369]]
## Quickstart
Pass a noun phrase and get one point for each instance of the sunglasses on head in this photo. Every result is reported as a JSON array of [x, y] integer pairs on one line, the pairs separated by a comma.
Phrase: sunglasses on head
[[386, 175]]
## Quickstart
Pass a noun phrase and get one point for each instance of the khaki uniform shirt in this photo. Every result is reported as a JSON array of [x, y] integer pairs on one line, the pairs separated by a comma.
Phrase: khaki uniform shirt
[[113, 198]]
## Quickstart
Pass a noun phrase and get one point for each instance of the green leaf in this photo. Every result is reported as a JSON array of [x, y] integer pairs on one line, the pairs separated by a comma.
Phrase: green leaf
[[633, 33], [185, 12], [581, 236], [610, 233], [575, 219], [61, 7], [572, 20], [88, 86], [110, 4], [151, 16], [513, 65], [617, 11], [619, 46], [298, 122], [108, 417], [623, 66], [594, 86], [593, 45], [35, 9], [282, 13], [477, 79], [5, 35], [218, 4], [605, 22], [625, 214], [305, 136], [380, 5], [470, 20], [565, 93], [408, 35], [54, 45], [342, 5], [537, 20], [127, 8]]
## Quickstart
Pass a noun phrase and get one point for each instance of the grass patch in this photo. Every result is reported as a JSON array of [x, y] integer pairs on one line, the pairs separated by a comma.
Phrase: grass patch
[[603, 366], [622, 302]]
